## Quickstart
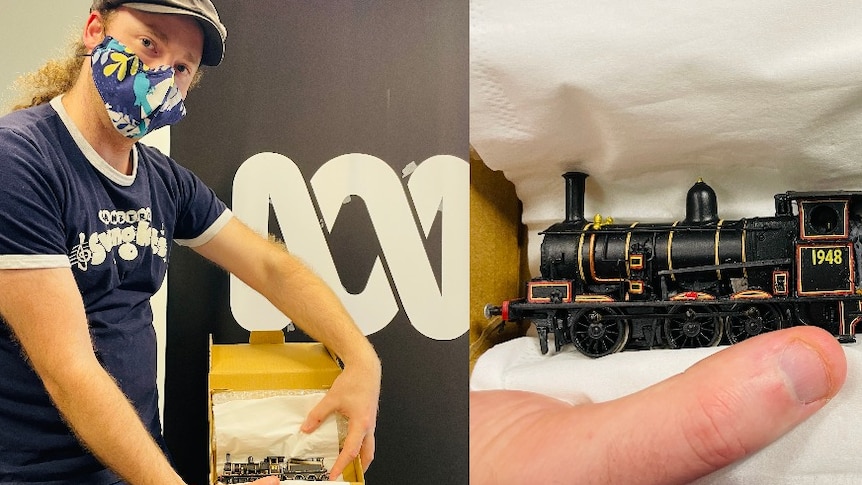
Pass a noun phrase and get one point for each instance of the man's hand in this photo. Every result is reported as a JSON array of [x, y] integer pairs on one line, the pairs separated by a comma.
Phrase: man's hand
[[355, 394], [720, 410]]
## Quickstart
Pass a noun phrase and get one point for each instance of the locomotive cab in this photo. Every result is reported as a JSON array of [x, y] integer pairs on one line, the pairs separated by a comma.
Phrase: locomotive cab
[[824, 251], [828, 258]]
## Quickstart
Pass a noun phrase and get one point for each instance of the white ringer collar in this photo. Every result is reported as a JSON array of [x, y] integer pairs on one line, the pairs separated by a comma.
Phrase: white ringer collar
[[90, 153]]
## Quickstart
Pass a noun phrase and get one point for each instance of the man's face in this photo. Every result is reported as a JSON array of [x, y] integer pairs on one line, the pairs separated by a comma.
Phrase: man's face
[[161, 40]]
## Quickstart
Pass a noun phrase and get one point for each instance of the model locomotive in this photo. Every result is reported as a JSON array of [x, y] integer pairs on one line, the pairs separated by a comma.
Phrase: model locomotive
[[310, 469], [606, 287]]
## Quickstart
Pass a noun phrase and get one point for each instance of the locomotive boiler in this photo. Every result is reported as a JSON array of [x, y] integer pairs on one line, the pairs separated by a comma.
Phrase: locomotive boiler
[[606, 286]]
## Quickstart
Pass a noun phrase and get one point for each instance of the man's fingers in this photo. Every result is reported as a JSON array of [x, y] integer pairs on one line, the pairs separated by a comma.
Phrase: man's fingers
[[366, 454], [318, 414], [351, 449], [718, 411], [271, 480], [354, 402]]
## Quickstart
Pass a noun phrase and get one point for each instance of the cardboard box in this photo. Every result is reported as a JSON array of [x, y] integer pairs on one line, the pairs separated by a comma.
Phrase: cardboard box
[[268, 363], [498, 255]]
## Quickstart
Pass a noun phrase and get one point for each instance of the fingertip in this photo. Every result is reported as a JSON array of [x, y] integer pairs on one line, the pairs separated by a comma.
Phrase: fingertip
[[317, 415], [814, 370], [366, 454], [313, 420], [810, 360], [338, 467], [348, 454], [809, 356], [830, 352], [309, 425], [736, 401]]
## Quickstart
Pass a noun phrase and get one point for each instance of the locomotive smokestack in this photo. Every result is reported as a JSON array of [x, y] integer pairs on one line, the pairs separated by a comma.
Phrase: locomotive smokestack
[[575, 188]]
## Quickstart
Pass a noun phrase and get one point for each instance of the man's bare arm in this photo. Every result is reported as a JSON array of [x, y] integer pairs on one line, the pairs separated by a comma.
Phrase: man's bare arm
[[45, 311]]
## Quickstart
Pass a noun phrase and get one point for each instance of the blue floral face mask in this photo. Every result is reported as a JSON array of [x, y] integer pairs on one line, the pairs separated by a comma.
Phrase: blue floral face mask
[[138, 99]]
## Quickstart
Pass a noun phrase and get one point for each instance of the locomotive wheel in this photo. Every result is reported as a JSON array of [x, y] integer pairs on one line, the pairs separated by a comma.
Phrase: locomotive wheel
[[692, 326], [752, 319], [595, 335]]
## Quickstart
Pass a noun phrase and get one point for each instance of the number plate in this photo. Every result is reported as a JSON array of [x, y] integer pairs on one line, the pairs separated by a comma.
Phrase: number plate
[[824, 269]]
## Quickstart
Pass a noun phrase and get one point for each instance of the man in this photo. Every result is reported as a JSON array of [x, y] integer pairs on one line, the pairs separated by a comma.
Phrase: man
[[86, 219]]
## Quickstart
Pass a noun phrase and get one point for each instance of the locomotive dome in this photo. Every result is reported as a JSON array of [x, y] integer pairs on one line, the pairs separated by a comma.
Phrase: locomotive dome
[[701, 204]]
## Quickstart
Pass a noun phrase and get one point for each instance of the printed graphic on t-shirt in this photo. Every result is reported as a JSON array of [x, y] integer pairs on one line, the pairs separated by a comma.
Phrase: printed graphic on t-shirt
[[128, 233]]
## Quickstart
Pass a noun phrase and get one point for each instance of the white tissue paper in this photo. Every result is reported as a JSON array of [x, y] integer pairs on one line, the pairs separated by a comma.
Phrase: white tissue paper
[[756, 98]]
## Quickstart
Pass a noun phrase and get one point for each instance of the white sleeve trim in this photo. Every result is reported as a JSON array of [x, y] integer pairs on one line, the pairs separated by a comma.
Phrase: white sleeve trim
[[209, 233], [33, 261]]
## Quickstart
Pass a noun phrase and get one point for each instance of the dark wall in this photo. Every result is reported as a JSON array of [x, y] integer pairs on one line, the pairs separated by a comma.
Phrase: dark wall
[[312, 80]]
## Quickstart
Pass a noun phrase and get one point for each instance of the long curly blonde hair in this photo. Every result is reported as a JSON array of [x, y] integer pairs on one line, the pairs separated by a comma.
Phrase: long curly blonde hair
[[52, 79], [57, 76]]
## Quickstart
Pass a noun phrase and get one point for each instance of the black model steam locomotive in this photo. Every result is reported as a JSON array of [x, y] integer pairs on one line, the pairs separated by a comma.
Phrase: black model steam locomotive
[[310, 469], [605, 287]]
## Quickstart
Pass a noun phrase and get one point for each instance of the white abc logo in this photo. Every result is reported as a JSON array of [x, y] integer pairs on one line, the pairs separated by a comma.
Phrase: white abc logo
[[439, 184]]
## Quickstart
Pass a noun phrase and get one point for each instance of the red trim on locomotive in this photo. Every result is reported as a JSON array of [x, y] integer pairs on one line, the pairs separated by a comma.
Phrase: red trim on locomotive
[[692, 296], [636, 261]]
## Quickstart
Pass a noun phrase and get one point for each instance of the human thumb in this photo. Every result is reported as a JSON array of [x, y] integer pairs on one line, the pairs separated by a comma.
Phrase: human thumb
[[720, 410], [723, 408]]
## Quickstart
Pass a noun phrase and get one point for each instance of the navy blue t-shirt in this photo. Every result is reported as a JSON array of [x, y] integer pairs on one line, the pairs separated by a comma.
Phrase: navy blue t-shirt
[[62, 205]]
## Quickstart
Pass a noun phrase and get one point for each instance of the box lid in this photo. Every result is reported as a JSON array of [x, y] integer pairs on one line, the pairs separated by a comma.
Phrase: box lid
[[257, 366]]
